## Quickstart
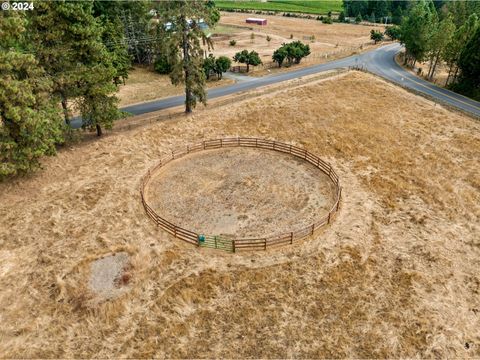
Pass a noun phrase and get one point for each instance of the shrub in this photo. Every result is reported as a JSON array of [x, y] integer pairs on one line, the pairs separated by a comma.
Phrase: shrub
[[233, 42], [393, 32], [376, 36], [327, 20], [216, 65], [161, 65]]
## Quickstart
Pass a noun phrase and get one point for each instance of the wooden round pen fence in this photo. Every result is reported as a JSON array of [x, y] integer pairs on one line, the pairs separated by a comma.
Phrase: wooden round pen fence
[[238, 244]]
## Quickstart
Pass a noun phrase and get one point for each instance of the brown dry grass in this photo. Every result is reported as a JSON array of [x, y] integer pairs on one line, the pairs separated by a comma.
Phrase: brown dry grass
[[441, 72], [330, 38], [395, 275], [143, 84]]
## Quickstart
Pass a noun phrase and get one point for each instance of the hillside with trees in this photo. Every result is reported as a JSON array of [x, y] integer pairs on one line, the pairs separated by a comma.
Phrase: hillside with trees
[[66, 55], [67, 58], [448, 34]]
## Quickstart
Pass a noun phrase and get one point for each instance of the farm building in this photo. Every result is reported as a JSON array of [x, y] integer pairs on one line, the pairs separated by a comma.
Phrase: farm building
[[256, 21]]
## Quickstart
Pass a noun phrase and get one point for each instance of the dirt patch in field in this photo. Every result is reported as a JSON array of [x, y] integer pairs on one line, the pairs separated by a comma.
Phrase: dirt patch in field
[[395, 275], [108, 276], [241, 192]]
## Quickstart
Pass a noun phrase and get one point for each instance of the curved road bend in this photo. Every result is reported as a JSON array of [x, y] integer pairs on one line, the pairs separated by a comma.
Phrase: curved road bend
[[379, 61]]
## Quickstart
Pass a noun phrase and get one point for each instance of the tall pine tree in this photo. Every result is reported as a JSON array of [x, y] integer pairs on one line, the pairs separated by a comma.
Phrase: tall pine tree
[[30, 124], [469, 64], [67, 41], [181, 31]]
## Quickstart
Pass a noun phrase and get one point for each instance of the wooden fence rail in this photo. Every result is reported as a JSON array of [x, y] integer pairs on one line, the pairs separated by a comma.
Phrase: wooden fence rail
[[239, 244]]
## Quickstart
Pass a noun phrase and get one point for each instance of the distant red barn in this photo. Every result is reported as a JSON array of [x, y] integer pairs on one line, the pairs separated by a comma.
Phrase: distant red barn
[[256, 21]]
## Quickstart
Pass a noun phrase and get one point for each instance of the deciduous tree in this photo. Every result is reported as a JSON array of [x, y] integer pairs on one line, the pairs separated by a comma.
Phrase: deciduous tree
[[376, 36], [248, 58], [222, 64]]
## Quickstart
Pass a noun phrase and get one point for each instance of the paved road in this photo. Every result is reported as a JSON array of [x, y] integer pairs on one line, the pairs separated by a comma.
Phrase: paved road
[[379, 61]]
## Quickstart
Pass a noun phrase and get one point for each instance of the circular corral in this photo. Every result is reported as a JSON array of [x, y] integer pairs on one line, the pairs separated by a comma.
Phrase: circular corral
[[237, 194]]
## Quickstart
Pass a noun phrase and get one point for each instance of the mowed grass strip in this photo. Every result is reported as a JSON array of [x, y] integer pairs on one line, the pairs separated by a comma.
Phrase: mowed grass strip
[[310, 7]]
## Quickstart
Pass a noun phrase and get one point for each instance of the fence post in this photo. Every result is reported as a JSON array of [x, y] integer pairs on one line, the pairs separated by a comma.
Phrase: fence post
[[339, 196], [328, 222], [265, 242], [215, 241], [233, 245], [313, 228], [291, 237]]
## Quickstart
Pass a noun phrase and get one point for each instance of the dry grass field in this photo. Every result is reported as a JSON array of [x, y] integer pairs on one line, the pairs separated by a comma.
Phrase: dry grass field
[[329, 38], [144, 84], [441, 72], [395, 275]]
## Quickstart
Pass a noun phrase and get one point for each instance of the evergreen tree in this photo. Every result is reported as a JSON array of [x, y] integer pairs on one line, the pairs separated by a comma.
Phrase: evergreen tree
[[393, 32], [184, 41], [67, 41], [460, 37], [116, 44], [132, 23], [415, 32], [469, 64], [440, 39], [30, 124]]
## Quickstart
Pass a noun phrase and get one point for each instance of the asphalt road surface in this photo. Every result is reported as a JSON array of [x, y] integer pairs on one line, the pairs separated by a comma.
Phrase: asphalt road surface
[[379, 61]]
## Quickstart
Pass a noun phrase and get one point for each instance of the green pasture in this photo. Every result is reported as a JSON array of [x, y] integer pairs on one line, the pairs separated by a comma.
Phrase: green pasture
[[309, 7]]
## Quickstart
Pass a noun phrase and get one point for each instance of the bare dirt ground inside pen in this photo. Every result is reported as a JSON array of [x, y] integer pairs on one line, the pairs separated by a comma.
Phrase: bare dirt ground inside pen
[[241, 192], [395, 275]]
